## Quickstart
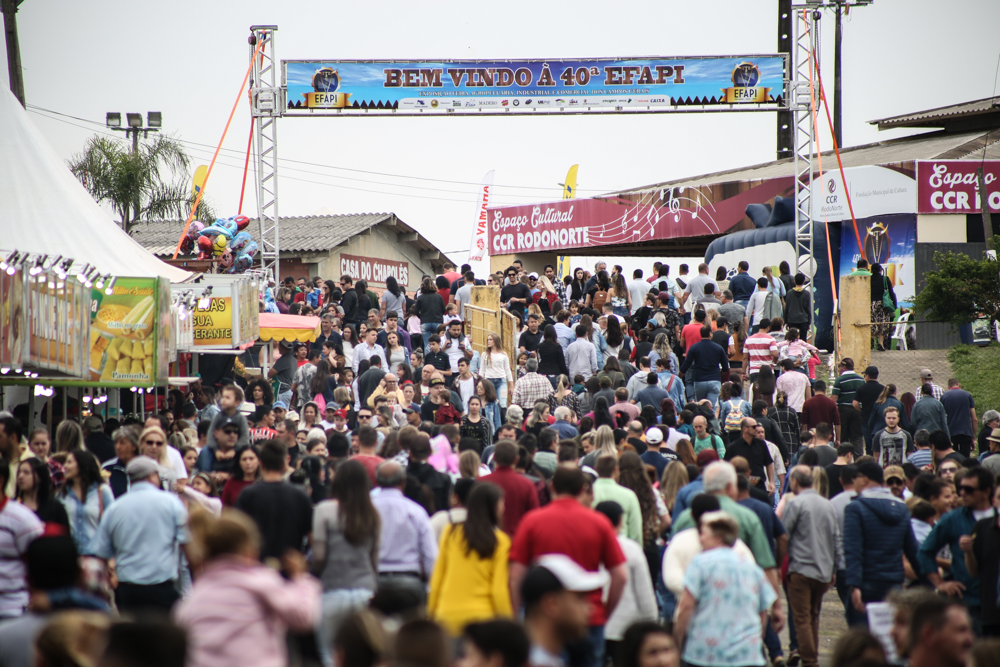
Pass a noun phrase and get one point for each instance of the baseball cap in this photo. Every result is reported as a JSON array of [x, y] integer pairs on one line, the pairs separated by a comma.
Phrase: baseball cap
[[331, 406], [436, 382], [279, 404], [554, 573], [342, 413], [227, 421], [654, 436], [925, 374], [894, 472], [413, 411], [871, 371], [707, 456], [140, 468], [532, 275]]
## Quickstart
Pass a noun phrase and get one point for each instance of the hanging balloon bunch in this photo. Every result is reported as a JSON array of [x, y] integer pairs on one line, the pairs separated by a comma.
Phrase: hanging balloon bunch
[[225, 241]]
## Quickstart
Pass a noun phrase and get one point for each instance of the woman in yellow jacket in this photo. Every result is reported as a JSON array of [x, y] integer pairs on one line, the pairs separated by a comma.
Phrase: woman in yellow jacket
[[469, 582]]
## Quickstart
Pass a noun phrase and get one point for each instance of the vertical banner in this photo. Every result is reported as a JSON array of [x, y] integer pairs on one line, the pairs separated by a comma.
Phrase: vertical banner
[[123, 332], [569, 192], [13, 319], [477, 249], [889, 240]]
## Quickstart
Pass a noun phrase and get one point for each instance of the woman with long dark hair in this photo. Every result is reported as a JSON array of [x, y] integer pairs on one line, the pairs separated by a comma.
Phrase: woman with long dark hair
[[34, 491], [576, 287], [245, 472], [85, 497], [602, 415], [395, 353], [349, 340], [613, 371], [620, 297], [393, 300], [763, 387], [882, 312], [551, 358], [470, 582], [487, 394], [345, 544], [260, 393], [476, 425], [322, 383], [614, 337]]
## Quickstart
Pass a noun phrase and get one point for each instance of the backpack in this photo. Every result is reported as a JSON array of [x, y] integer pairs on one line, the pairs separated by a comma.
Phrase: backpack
[[772, 306], [735, 416], [600, 298]]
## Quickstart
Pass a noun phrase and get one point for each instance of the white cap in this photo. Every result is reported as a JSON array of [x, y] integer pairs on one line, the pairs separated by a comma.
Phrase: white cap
[[654, 436], [571, 575]]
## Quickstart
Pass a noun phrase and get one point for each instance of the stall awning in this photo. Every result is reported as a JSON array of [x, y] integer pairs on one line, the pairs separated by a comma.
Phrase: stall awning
[[291, 328]]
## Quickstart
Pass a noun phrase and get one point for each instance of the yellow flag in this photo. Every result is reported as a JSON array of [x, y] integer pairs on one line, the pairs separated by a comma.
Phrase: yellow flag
[[198, 182], [569, 187], [569, 192]]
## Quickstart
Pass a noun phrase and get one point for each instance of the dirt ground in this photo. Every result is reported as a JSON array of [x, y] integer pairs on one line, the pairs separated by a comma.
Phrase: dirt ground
[[831, 626]]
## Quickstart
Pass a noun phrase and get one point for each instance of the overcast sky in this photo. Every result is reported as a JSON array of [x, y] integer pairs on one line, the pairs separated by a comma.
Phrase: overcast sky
[[187, 59]]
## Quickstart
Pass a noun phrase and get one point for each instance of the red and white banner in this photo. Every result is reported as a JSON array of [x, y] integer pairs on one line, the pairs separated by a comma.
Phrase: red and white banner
[[374, 270], [584, 223], [480, 235], [951, 186]]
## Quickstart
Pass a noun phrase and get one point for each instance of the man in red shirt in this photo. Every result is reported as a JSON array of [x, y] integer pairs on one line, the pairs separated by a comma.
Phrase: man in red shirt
[[519, 494], [367, 442], [691, 333], [566, 526], [820, 409]]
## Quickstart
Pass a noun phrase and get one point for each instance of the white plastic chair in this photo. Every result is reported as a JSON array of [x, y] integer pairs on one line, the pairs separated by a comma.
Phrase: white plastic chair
[[899, 331]]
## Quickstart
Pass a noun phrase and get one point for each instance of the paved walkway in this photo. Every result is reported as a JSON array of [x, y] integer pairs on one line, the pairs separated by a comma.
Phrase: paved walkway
[[831, 626], [902, 367]]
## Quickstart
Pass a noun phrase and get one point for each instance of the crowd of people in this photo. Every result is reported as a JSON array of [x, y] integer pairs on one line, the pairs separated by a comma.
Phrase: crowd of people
[[665, 474]]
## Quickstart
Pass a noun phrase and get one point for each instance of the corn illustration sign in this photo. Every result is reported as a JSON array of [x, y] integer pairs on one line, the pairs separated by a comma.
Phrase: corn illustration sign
[[124, 333]]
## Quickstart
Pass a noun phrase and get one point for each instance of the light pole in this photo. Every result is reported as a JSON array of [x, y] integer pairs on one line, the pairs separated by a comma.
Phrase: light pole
[[154, 121]]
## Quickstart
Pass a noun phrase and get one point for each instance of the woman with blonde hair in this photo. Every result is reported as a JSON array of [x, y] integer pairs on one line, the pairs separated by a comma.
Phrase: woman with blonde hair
[[564, 396], [546, 294], [239, 611], [495, 367], [153, 443], [675, 477], [604, 445], [468, 465], [620, 297], [69, 436]]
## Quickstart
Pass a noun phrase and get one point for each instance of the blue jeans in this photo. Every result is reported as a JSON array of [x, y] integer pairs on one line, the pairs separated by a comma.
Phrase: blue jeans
[[426, 331], [596, 636], [772, 641], [500, 384], [708, 389], [336, 605]]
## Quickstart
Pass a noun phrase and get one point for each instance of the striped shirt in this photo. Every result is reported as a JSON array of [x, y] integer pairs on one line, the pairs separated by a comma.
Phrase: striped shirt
[[758, 348], [845, 385], [920, 458], [18, 528]]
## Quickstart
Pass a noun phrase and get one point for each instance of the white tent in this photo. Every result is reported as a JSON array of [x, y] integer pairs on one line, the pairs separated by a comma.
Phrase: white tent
[[44, 210]]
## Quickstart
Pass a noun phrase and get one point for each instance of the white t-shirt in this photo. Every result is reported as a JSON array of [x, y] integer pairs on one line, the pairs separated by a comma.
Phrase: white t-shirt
[[466, 389], [696, 286], [779, 465], [638, 289], [464, 296]]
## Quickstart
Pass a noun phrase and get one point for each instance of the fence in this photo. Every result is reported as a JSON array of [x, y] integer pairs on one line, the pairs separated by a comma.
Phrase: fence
[[480, 322]]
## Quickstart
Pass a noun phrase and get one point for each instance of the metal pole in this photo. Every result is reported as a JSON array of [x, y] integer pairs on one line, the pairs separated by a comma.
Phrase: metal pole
[[838, 36], [984, 205], [13, 48]]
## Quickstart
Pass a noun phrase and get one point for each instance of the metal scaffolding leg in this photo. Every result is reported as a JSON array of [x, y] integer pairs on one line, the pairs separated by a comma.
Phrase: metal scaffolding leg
[[267, 106], [804, 135]]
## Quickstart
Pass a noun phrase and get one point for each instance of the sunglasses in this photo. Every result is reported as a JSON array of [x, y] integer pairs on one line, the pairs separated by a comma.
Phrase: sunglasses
[[944, 470], [894, 482], [229, 431], [364, 416], [153, 442], [963, 488]]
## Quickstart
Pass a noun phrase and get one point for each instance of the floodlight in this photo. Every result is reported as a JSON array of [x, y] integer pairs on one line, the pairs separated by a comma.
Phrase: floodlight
[[109, 290], [154, 119], [134, 119], [114, 119]]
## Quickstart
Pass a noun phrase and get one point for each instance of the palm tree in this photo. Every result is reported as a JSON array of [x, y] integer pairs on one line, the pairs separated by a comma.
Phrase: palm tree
[[150, 183]]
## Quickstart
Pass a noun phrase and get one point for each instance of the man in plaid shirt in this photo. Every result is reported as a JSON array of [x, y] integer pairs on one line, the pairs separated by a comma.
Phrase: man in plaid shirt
[[550, 273], [531, 388]]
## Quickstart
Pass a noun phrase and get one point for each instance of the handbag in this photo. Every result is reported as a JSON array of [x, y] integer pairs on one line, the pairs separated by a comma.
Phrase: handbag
[[887, 295]]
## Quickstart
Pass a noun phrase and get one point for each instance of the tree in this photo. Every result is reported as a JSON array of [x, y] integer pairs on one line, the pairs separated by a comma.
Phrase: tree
[[962, 289], [151, 183]]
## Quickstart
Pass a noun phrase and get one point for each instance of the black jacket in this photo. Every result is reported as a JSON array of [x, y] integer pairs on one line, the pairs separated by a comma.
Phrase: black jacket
[[773, 433], [436, 486], [551, 360], [100, 445], [879, 283], [797, 308]]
